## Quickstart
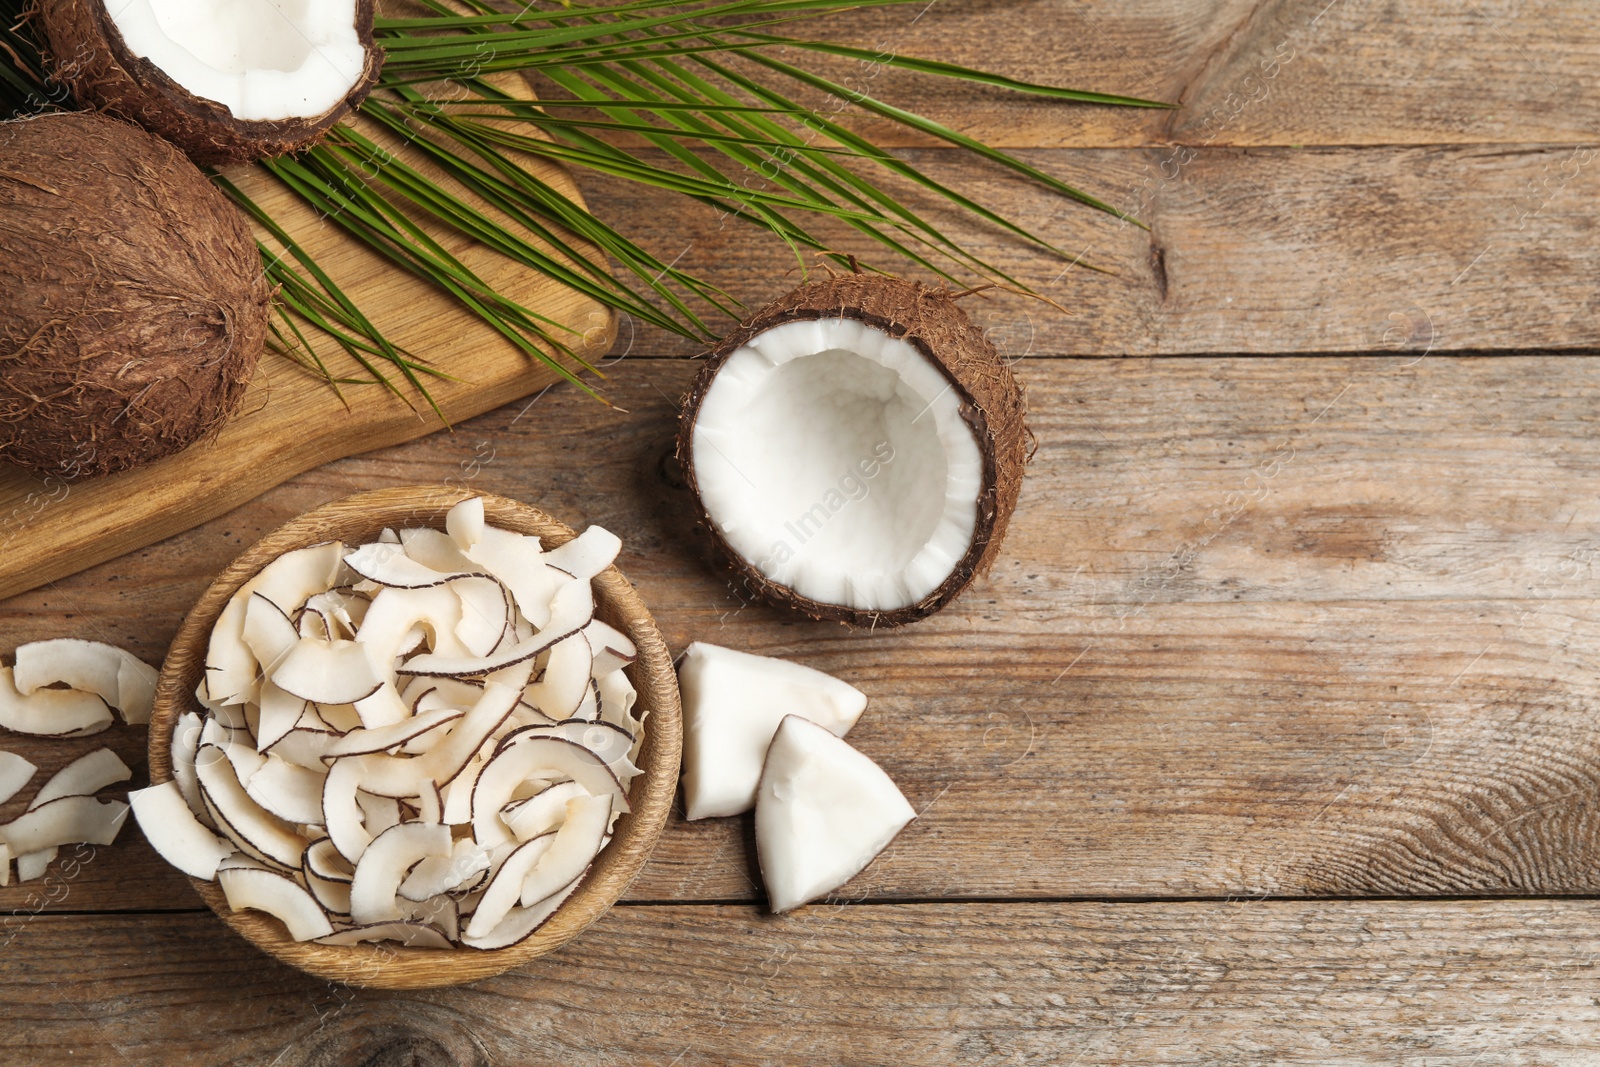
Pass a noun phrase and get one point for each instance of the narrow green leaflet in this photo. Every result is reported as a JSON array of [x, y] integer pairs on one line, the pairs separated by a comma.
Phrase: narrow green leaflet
[[681, 96]]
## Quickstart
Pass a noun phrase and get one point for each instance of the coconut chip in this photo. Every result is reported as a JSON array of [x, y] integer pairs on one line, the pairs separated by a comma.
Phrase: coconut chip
[[360, 741]]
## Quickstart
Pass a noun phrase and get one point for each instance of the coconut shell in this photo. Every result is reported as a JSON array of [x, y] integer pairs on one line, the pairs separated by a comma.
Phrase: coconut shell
[[132, 302], [87, 53], [992, 404]]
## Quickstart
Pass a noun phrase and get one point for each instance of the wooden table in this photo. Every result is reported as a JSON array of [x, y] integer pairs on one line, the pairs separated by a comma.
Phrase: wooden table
[[1271, 739]]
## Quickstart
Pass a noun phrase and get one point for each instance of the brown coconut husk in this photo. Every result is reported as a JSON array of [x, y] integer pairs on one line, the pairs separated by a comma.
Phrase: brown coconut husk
[[992, 404], [88, 54], [132, 302]]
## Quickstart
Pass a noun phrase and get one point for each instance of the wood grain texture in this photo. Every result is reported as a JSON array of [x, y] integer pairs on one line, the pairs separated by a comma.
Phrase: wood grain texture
[[291, 420], [1277, 250], [1330, 984], [357, 520], [1281, 72], [1307, 626]]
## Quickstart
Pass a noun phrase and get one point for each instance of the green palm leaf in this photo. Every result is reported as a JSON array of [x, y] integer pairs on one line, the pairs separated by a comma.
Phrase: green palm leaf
[[696, 81]]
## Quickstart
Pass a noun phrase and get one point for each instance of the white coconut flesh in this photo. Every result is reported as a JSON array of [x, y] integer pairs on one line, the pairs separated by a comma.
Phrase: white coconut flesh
[[823, 812], [63, 811], [15, 773], [733, 702], [264, 60], [834, 459], [357, 798]]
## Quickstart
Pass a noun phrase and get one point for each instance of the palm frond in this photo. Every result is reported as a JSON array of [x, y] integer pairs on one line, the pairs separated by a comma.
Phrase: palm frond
[[700, 83]]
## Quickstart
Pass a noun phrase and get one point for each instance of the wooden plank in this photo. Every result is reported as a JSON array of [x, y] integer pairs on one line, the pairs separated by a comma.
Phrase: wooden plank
[[1249, 251], [1334, 984], [1295, 72], [291, 420], [1305, 626]]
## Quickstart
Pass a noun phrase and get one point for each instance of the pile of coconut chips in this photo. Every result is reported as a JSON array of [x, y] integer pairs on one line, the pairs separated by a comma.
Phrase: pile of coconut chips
[[426, 739], [66, 688]]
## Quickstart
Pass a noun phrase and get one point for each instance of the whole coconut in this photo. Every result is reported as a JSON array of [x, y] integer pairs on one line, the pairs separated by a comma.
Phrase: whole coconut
[[132, 302]]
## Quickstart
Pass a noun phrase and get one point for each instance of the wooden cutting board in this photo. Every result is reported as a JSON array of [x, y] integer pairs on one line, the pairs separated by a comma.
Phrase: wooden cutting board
[[292, 421]]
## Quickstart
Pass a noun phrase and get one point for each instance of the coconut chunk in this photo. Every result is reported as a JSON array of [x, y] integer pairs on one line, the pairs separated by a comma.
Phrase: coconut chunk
[[174, 832], [51, 712], [287, 790], [732, 705], [268, 633], [381, 739], [84, 776], [437, 550], [487, 615], [535, 758], [391, 567], [381, 708], [521, 923], [288, 582], [331, 615], [64, 821], [327, 672], [278, 713], [824, 811], [519, 562], [612, 649], [323, 860], [541, 813], [565, 680], [379, 813], [586, 555], [122, 680], [580, 838], [341, 811], [15, 773], [464, 522], [395, 614], [248, 824], [304, 747], [437, 875], [374, 892], [559, 857], [31, 866], [336, 718], [280, 897]]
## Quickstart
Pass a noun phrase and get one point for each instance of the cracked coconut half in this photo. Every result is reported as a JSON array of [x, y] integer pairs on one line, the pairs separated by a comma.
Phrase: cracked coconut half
[[856, 450], [225, 80]]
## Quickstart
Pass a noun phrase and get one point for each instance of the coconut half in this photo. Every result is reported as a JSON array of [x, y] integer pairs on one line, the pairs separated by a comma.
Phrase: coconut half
[[856, 450], [225, 80]]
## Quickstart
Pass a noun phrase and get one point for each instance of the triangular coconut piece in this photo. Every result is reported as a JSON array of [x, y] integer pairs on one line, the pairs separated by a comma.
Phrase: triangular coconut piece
[[823, 812], [732, 705]]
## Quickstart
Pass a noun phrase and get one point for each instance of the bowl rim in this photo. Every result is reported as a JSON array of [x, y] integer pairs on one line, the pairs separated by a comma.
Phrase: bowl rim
[[384, 965]]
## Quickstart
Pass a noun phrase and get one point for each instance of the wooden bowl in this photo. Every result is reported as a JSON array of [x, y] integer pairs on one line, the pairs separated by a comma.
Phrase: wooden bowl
[[386, 965]]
